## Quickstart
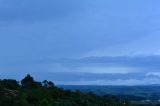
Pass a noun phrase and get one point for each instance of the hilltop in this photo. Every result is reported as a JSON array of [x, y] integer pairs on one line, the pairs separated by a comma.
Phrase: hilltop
[[29, 92]]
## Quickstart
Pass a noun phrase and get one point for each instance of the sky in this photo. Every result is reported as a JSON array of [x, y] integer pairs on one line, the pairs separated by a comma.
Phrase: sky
[[81, 42]]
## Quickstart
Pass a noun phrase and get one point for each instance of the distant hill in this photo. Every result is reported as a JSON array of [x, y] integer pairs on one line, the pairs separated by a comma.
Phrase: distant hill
[[148, 92]]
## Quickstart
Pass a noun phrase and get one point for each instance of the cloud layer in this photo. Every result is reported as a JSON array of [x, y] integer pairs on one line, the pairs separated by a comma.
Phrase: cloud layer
[[81, 42]]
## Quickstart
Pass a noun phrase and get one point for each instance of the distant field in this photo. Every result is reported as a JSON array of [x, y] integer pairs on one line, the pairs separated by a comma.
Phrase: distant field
[[147, 92]]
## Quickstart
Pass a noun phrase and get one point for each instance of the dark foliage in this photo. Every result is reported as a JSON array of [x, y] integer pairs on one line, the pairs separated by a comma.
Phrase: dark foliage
[[33, 93]]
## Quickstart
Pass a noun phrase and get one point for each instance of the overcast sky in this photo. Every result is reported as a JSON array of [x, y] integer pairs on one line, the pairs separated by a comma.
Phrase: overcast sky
[[96, 42]]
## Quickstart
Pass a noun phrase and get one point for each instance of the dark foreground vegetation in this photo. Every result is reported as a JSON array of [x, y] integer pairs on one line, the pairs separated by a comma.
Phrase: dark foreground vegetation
[[32, 93], [29, 92]]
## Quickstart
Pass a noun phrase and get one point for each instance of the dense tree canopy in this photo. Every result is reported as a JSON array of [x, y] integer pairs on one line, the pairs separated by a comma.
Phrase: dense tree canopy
[[33, 93]]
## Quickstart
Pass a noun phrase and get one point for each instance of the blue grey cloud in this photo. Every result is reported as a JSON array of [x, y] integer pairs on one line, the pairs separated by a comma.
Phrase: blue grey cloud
[[90, 69], [92, 41]]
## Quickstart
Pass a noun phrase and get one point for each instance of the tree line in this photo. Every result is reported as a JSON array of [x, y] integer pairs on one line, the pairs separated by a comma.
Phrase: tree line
[[29, 92]]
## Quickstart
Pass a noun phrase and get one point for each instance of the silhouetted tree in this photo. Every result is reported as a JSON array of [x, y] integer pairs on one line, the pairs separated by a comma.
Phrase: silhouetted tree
[[50, 84], [28, 82], [45, 83]]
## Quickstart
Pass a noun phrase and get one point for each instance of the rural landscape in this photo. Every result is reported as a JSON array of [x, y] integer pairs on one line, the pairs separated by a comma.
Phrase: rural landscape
[[79, 52], [29, 92]]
